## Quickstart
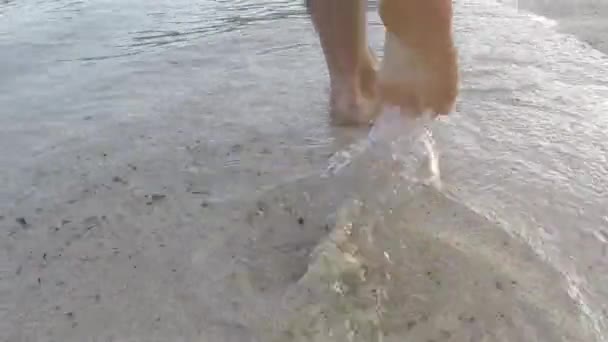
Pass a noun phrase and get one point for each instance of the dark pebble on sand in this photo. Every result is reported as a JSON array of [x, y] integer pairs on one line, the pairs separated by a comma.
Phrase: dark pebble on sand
[[91, 222], [499, 286], [22, 222], [300, 220], [97, 298], [205, 205], [1, 217], [411, 324], [157, 197], [133, 167], [262, 207], [117, 179], [19, 270]]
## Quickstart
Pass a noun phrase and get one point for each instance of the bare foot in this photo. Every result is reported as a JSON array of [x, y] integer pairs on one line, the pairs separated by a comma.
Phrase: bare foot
[[354, 100], [419, 72]]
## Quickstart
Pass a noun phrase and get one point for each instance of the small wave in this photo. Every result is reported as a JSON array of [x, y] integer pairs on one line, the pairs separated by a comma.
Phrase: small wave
[[408, 260], [417, 264], [538, 18], [99, 58]]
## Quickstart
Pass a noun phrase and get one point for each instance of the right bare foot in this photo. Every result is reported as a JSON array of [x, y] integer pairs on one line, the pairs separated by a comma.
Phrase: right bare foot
[[419, 72]]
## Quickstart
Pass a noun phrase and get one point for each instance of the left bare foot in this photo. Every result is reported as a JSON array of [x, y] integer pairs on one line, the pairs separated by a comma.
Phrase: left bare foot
[[353, 100]]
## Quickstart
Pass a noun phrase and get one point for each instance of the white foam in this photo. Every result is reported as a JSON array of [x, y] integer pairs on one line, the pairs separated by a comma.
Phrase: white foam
[[514, 5], [409, 140]]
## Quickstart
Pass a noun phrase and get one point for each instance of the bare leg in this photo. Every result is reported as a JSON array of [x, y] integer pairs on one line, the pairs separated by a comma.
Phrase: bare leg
[[419, 71], [341, 25]]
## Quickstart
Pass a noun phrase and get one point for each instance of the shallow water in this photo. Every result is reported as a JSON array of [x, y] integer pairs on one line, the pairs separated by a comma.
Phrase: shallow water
[[169, 160]]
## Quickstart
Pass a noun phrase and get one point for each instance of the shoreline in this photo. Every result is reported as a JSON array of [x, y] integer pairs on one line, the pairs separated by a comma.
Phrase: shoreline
[[580, 18]]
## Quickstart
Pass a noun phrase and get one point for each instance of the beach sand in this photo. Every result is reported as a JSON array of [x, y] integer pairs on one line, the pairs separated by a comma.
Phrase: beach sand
[[186, 227]]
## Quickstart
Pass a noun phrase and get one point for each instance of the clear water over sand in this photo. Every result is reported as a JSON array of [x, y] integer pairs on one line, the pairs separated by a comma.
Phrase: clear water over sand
[[163, 168]]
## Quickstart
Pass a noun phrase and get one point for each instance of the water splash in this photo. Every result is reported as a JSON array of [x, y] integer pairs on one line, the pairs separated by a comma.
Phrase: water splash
[[404, 139]]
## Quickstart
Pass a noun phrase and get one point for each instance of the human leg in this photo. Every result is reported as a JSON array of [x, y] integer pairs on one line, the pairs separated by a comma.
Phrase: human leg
[[341, 25]]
